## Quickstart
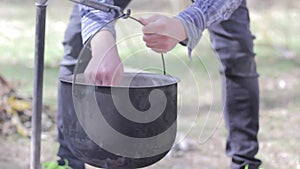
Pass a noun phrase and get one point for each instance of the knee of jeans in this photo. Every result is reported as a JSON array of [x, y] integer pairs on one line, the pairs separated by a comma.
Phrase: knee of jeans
[[66, 70], [244, 67]]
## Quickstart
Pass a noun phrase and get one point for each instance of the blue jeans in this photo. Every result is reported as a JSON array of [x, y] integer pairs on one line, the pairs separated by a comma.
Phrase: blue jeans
[[72, 46], [233, 41]]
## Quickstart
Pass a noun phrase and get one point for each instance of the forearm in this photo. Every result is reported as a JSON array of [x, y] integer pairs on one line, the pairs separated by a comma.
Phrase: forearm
[[102, 43], [105, 66], [202, 14]]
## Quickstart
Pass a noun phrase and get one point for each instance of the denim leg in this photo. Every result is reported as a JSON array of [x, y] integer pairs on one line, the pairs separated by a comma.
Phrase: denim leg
[[233, 42], [72, 45]]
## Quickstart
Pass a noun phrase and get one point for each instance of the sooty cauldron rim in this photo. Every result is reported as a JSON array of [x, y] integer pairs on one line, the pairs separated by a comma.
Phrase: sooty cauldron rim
[[167, 80]]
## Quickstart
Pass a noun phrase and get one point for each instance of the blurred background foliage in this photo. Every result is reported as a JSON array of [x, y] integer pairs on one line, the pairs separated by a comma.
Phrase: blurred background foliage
[[274, 23]]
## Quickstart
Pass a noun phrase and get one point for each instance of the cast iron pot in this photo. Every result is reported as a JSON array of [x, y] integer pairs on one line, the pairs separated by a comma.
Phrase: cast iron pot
[[132, 125]]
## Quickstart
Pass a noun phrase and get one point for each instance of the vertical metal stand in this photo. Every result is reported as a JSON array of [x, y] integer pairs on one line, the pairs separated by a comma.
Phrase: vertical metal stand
[[38, 84]]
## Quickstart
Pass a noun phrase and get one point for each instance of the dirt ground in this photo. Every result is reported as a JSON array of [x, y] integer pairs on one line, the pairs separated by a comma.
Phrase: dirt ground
[[207, 156], [279, 147]]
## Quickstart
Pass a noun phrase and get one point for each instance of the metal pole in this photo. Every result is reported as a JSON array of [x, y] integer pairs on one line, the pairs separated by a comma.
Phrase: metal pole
[[38, 84]]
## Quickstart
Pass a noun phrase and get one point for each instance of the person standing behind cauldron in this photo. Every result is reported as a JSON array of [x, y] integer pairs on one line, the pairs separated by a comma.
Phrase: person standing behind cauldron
[[229, 26], [73, 44]]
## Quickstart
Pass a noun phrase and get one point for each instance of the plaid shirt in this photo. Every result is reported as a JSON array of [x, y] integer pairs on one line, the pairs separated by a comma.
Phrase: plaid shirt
[[200, 15], [92, 20]]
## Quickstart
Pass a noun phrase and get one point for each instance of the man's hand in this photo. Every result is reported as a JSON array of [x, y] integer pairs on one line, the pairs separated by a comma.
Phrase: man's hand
[[105, 66], [162, 33]]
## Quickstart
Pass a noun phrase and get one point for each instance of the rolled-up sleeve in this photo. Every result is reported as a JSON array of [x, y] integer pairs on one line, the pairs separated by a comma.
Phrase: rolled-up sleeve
[[92, 20], [204, 13]]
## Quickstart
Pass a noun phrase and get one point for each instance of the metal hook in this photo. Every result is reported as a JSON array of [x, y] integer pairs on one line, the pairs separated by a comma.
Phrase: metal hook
[[100, 6], [127, 14]]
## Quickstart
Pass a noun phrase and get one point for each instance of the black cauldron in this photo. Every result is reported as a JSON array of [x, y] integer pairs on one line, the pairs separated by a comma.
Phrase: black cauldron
[[132, 125]]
